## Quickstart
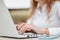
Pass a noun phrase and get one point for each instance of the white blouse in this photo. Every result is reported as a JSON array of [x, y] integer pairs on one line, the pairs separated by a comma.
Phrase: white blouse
[[40, 18]]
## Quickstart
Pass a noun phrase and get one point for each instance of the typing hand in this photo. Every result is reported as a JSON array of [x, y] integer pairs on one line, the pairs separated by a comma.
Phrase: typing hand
[[31, 28]]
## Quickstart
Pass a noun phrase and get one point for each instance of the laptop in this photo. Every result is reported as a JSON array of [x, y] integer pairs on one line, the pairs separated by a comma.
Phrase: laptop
[[7, 26]]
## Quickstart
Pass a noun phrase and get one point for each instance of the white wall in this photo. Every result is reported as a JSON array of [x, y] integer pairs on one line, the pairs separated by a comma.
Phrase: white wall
[[17, 4]]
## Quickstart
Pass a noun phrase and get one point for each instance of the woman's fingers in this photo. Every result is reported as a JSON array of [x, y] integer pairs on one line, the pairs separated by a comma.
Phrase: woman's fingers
[[21, 25], [23, 29], [18, 26], [28, 29]]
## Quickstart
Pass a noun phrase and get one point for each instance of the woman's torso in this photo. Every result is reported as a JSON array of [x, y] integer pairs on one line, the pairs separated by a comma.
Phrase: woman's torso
[[40, 18]]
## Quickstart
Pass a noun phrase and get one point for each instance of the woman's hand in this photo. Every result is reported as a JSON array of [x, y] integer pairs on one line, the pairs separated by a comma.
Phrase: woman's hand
[[23, 27], [18, 26], [39, 30]]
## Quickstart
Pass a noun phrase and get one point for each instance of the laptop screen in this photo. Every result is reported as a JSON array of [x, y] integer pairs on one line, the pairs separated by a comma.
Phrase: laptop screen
[[7, 26]]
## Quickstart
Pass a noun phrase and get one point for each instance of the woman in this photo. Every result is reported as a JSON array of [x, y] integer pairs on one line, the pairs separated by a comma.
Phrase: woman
[[44, 17]]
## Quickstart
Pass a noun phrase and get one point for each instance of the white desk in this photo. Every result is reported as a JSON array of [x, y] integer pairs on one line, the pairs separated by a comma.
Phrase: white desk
[[2, 38]]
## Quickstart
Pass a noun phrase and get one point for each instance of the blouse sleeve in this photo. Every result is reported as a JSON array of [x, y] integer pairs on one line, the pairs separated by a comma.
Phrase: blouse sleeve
[[58, 10], [56, 31], [30, 20]]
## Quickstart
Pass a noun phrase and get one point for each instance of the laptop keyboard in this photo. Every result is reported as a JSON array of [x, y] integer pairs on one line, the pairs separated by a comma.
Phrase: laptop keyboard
[[30, 35]]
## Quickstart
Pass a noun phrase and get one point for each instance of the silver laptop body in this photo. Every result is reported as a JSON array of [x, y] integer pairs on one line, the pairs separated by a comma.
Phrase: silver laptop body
[[7, 27]]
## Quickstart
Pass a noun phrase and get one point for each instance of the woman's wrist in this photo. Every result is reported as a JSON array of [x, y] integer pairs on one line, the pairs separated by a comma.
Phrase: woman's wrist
[[39, 30], [46, 31]]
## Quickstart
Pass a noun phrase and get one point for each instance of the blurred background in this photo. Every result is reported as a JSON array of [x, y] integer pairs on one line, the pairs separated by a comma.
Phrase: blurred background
[[19, 9]]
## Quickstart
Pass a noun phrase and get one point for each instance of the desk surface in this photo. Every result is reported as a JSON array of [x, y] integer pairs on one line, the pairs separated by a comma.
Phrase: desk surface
[[2, 38]]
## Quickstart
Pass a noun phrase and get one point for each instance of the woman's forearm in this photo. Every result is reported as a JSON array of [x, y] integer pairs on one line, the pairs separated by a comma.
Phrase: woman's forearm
[[40, 30]]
